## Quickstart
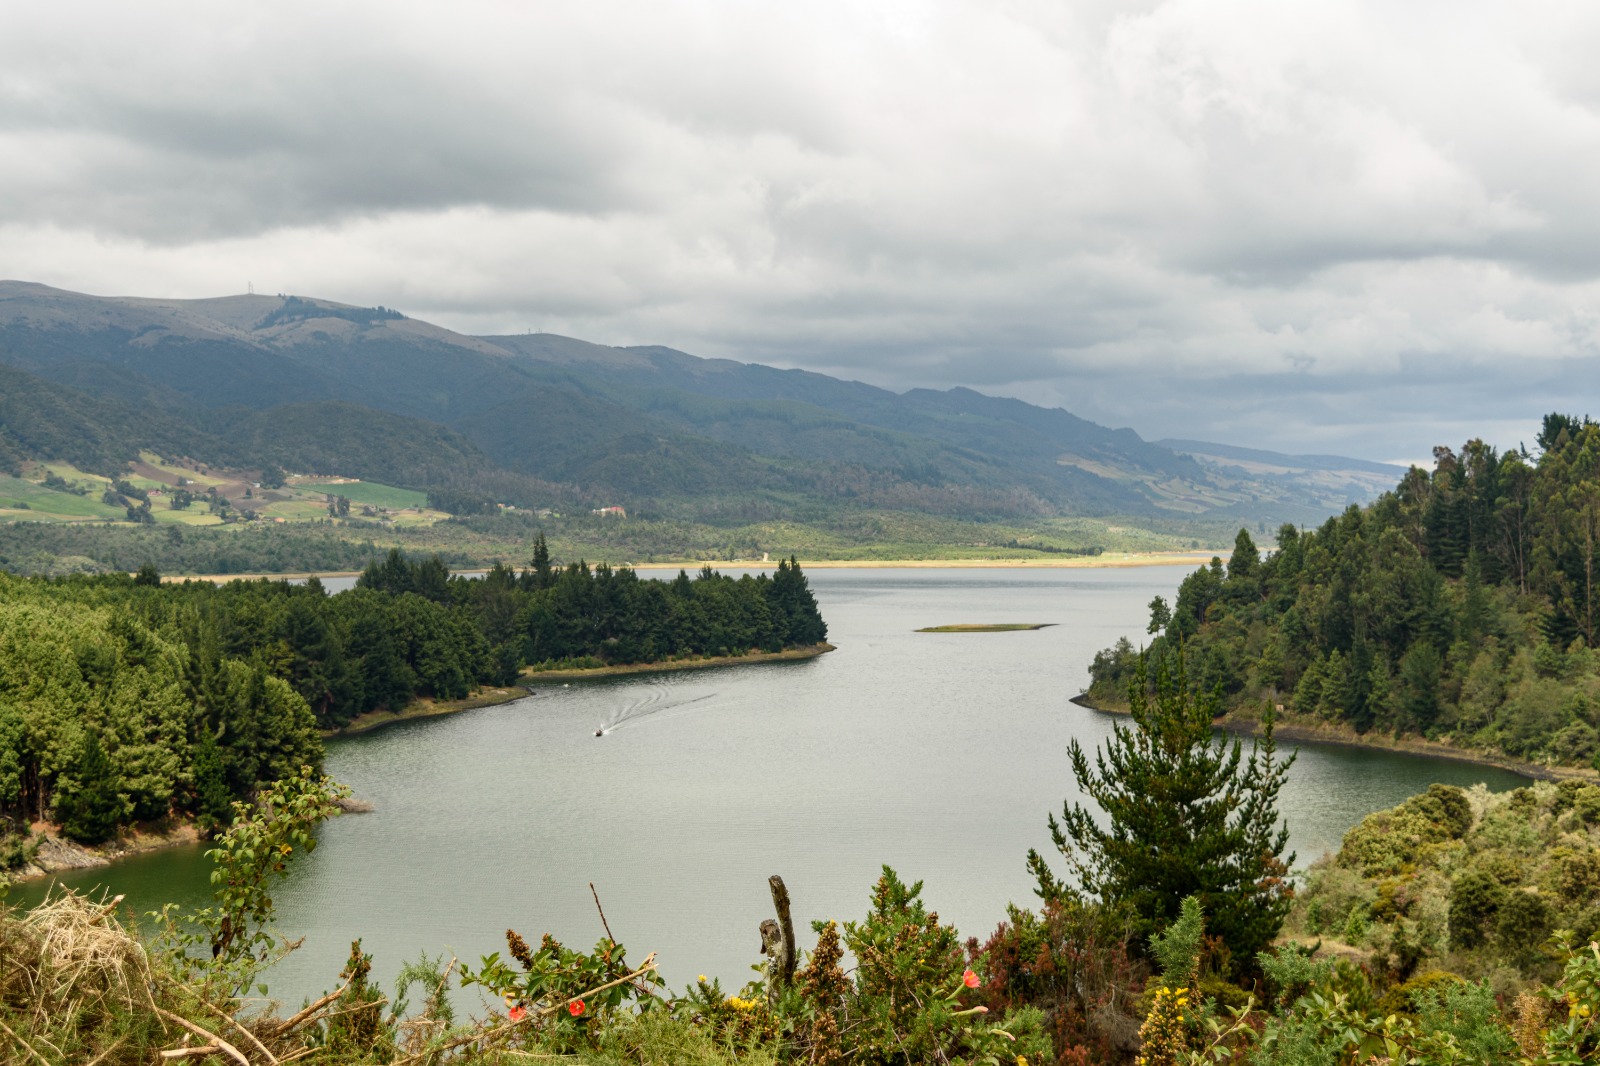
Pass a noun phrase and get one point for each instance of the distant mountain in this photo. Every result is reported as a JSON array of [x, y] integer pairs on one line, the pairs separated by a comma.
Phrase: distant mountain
[[300, 382], [1320, 476]]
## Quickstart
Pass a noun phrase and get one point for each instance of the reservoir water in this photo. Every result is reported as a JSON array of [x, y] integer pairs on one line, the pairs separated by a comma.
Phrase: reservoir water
[[938, 754]]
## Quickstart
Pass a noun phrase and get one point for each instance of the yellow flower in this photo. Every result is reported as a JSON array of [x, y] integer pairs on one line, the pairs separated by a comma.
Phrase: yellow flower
[[702, 978]]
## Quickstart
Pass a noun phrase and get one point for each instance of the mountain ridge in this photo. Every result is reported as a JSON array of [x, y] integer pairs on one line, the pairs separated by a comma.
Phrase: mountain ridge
[[674, 432]]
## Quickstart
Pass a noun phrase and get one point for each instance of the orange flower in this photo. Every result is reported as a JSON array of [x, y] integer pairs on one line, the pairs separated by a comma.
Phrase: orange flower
[[575, 1008], [517, 1013], [969, 979]]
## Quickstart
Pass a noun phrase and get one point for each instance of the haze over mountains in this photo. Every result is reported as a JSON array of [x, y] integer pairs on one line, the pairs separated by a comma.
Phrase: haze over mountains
[[536, 419]]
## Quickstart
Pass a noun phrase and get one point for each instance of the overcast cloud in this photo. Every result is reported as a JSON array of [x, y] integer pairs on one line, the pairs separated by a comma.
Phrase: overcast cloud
[[1332, 226]]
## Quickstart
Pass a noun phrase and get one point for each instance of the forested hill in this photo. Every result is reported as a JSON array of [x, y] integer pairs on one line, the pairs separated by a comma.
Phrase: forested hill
[[124, 699], [541, 421], [1464, 606]]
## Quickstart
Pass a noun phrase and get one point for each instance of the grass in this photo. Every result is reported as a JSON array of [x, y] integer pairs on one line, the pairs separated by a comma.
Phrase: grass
[[193, 515], [51, 504], [978, 627], [296, 510], [370, 493]]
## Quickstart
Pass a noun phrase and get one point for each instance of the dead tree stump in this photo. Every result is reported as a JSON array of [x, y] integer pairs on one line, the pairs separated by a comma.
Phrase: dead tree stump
[[777, 942]]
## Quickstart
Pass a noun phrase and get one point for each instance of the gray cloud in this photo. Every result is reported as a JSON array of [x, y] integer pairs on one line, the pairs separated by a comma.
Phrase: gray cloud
[[1363, 227]]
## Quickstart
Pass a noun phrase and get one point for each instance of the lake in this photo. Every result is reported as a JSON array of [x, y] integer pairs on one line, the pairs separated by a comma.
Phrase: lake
[[939, 754]]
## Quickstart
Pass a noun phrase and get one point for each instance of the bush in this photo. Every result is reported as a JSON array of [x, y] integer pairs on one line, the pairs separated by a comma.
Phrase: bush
[[1071, 962], [1475, 902], [1525, 922], [1447, 807], [1410, 996], [1389, 841]]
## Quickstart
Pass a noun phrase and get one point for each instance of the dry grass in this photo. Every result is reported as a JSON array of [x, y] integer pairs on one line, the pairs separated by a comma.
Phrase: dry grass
[[71, 979], [78, 989]]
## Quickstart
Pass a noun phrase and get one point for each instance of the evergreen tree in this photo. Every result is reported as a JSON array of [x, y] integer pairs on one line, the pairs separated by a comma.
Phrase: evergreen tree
[[89, 813], [543, 576], [1188, 816], [213, 801]]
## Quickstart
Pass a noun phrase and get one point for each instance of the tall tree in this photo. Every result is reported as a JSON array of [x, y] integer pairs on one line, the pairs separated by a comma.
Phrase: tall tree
[[1188, 816], [90, 810]]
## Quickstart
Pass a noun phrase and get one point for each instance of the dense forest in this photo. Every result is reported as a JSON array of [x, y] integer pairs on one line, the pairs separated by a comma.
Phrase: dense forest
[[123, 699], [1463, 606]]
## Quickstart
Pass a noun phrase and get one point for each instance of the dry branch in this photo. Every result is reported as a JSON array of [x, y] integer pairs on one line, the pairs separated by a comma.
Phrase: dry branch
[[26, 1046], [231, 1020], [305, 1013], [204, 1034]]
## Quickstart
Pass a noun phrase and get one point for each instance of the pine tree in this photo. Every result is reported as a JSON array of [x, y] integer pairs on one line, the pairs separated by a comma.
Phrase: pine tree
[[90, 811], [1188, 816], [543, 576], [214, 804]]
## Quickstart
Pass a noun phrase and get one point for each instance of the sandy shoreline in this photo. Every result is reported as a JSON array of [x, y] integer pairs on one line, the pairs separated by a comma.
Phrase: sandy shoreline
[[1106, 560]]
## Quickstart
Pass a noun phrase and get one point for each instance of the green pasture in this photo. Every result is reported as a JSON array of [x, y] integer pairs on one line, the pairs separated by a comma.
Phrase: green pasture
[[370, 493], [44, 505]]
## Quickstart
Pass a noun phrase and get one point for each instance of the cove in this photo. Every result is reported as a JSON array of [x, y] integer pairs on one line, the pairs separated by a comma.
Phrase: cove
[[939, 754]]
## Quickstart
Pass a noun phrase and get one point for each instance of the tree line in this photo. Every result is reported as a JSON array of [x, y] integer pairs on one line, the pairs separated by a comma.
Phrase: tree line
[[124, 699], [1463, 605]]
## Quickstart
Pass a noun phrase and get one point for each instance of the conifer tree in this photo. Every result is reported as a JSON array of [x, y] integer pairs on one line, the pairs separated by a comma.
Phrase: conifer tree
[[1188, 816], [90, 811]]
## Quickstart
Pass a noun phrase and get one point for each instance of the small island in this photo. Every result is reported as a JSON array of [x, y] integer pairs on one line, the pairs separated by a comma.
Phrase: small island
[[977, 627]]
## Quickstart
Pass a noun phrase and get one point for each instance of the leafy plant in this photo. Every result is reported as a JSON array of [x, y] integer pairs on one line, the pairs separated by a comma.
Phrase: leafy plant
[[247, 857], [562, 993]]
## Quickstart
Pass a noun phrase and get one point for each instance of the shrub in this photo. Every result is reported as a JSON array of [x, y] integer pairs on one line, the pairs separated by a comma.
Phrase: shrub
[[1467, 1011], [907, 1003], [1071, 962], [1586, 804], [1386, 842], [1576, 874], [1524, 923], [1408, 996], [1446, 806], [1475, 902]]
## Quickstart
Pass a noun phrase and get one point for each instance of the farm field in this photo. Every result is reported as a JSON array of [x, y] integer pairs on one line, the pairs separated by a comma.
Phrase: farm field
[[29, 499], [368, 492]]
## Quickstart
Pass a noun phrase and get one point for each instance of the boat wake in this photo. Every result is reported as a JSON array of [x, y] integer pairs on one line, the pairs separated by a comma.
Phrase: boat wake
[[652, 704]]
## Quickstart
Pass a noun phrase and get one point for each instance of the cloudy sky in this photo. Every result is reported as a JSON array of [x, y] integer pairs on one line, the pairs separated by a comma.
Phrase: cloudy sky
[[1327, 226]]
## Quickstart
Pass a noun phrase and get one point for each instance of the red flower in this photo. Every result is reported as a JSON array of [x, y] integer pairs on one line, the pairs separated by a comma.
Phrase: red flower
[[517, 1013], [575, 1007], [969, 979]]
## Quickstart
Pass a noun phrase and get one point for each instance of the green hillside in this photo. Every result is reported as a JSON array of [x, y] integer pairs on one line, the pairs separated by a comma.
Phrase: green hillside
[[231, 392]]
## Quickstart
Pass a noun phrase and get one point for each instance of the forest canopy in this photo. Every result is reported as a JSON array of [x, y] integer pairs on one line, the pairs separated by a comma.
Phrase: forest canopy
[[124, 699], [1464, 606]]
